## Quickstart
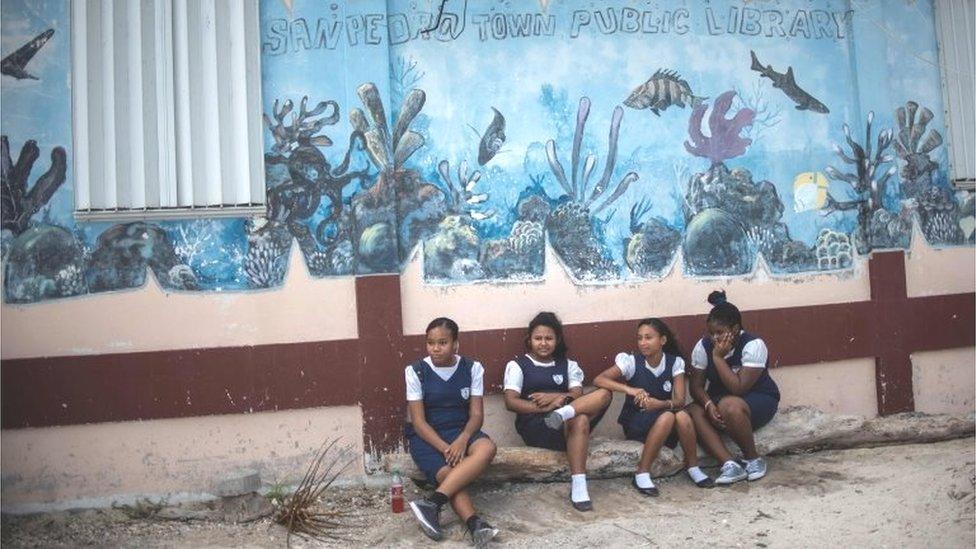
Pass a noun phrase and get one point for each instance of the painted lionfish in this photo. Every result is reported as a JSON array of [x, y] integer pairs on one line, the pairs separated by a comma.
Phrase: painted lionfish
[[663, 89]]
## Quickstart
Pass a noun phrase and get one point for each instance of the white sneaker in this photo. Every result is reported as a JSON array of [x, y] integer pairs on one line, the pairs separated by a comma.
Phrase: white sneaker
[[756, 468], [731, 472]]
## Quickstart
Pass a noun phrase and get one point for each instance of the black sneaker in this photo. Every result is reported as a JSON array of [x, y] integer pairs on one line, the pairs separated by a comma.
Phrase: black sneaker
[[582, 506], [706, 482], [482, 533], [428, 514], [652, 491]]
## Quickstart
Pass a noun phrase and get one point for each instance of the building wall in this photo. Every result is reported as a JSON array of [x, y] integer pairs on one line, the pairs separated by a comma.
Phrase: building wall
[[126, 341], [304, 309], [943, 381], [98, 464]]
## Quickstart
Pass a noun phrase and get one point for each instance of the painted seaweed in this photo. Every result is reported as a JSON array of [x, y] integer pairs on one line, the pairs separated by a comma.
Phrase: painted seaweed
[[573, 230], [868, 179], [324, 231]]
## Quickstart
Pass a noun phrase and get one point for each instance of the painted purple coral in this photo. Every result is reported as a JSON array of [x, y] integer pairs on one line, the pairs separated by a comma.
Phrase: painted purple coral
[[724, 142]]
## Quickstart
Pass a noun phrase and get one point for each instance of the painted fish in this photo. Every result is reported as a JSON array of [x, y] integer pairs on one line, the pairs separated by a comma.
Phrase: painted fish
[[493, 138], [786, 82], [809, 191], [663, 89], [16, 63]]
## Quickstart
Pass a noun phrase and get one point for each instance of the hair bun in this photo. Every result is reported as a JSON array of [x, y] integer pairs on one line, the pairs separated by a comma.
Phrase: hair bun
[[717, 297]]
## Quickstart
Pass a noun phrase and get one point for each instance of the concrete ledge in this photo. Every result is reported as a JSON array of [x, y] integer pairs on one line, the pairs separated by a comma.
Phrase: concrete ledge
[[796, 429]]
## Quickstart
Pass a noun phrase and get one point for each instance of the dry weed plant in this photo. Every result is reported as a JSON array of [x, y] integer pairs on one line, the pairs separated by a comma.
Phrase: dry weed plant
[[302, 513]]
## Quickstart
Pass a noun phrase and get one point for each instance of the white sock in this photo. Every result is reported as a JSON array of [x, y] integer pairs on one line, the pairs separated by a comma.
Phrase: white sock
[[643, 480], [567, 412], [579, 488], [696, 474]]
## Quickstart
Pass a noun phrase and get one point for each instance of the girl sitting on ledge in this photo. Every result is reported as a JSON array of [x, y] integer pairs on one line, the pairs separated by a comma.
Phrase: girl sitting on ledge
[[740, 395], [545, 390], [653, 413], [444, 401]]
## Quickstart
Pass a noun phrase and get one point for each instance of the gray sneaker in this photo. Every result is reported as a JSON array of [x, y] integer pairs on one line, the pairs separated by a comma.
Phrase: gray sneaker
[[482, 533], [428, 515], [756, 468], [731, 472], [554, 421]]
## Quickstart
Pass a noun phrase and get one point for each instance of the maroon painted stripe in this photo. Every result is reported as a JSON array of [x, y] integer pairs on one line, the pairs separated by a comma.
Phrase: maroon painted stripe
[[939, 322], [194, 382]]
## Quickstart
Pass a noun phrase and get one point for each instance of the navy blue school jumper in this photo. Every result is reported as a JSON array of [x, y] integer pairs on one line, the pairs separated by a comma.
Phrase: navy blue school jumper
[[544, 379], [637, 421], [762, 398], [446, 409]]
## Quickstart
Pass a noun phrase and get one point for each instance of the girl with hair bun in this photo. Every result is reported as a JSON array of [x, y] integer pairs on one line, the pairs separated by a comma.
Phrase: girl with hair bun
[[732, 389]]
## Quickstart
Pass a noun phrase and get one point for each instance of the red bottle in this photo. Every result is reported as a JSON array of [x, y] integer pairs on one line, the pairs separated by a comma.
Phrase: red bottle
[[396, 493]]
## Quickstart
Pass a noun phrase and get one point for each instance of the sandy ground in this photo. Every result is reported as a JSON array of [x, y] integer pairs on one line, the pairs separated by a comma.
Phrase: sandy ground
[[897, 496]]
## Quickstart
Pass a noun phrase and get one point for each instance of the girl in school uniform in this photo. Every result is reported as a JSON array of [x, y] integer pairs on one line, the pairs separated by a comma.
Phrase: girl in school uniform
[[653, 412], [444, 401], [733, 390], [545, 390]]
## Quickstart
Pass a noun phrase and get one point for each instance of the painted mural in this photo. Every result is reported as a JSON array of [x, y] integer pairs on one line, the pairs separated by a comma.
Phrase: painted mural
[[635, 138]]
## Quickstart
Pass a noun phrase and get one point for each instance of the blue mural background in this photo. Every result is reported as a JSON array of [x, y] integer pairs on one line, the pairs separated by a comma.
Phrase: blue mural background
[[629, 135]]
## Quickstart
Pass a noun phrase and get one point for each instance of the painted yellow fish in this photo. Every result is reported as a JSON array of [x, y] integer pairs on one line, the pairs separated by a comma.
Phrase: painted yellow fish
[[809, 191]]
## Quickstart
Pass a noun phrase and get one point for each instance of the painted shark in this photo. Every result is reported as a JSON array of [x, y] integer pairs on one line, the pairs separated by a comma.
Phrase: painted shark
[[785, 82], [15, 64]]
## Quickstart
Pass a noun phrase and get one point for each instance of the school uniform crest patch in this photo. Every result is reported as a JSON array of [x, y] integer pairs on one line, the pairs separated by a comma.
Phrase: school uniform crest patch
[[465, 393], [558, 378], [666, 385]]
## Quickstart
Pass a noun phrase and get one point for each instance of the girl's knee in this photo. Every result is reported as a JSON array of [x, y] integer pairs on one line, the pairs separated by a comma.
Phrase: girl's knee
[[442, 473], [733, 406], [579, 424], [682, 418], [604, 396], [666, 418], [484, 446]]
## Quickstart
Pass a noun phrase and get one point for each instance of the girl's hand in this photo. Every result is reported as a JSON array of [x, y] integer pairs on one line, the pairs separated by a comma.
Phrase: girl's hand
[[547, 401], [638, 394], [650, 403], [715, 417], [454, 453], [723, 344]]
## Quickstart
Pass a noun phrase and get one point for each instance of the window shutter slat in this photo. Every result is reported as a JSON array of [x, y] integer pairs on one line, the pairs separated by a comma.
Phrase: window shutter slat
[[210, 135], [109, 194], [239, 174], [135, 178], [165, 104], [79, 105], [184, 144]]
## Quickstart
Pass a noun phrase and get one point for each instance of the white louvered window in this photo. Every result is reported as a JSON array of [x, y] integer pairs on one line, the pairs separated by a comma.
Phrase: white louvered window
[[166, 108], [957, 56]]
